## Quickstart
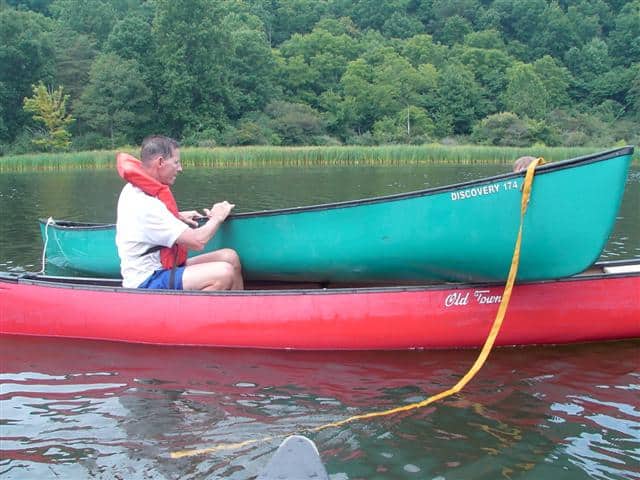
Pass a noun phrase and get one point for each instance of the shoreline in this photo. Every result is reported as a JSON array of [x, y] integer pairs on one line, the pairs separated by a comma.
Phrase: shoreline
[[303, 156]]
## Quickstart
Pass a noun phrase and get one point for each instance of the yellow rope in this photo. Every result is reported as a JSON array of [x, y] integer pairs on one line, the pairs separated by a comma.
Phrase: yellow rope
[[477, 365]]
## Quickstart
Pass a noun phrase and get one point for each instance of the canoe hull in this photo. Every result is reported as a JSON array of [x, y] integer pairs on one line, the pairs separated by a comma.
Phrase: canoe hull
[[565, 311], [460, 233]]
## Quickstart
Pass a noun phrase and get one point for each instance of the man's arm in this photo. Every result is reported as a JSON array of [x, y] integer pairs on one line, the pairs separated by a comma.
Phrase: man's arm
[[197, 238]]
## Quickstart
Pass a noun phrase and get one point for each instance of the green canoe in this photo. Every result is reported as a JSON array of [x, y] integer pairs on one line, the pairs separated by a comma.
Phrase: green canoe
[[463, 232]]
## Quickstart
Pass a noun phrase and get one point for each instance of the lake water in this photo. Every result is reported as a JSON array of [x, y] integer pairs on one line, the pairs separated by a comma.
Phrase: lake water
[[81, 409]]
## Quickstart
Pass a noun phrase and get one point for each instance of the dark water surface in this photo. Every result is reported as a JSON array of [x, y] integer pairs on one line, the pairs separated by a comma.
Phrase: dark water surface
[[81, 409]]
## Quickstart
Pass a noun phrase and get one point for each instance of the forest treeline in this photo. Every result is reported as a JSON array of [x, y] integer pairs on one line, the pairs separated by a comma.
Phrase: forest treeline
[[88, 74]]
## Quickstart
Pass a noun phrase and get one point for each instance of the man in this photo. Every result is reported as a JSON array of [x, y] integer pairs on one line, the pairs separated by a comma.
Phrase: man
[[146, 229], [522, 163]]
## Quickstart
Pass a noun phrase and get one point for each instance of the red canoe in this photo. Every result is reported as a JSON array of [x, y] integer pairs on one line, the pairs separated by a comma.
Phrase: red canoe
[[602, 304]]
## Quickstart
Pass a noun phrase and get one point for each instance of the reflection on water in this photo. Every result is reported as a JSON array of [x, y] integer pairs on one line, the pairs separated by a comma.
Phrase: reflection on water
[[79, 409]]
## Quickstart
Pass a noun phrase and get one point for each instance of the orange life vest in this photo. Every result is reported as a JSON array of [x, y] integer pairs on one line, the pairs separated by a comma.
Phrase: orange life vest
[[130, 169]]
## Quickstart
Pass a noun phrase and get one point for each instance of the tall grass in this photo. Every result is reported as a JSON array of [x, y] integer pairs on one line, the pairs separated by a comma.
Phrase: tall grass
[[387, 154], [268, 155], [58, 161]]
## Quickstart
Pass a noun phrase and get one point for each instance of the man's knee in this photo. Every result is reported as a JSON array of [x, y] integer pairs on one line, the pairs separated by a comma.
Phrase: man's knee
[[231, 257], [227, 269], [223, 275]]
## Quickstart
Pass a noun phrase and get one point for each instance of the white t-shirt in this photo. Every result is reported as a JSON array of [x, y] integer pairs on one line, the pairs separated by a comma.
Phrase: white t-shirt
[[143, 222]]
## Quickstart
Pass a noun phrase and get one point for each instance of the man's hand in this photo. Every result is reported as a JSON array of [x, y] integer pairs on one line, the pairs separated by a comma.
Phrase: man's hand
[[219, 211], [189, 217], [197, 238]]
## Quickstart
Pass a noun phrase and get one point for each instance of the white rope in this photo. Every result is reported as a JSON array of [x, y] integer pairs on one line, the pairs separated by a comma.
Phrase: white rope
[[50, 221]]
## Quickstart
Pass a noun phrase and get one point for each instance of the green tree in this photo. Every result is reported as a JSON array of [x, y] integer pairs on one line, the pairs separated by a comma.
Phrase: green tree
[[460, 101], [525, 94], [489, 67], [585, 19], [587, 64], [216, 65], [613, 85], [633, 94], [207, 69], [131, 39], [295, 16], [251, 65], [580, 129], [74, 55], [489, 19], [92, 17], [295, 123], [521, 20], [401, 25], [255, 128], [265, 11], [556, 80], [40, 6], [116, 103], [470, 10], [590, 18], [338, 113], [421, 49], [625, 37], [297, 78], [454, 30], [555, 33], [338, 26], [26, 57], [354, 109], [49, 107], [374, 13], [490, 39], [502, 129], [381, 84], [507, 129], [412, 125], [314, 63], [194, 83], [589, 61], [3, 127]]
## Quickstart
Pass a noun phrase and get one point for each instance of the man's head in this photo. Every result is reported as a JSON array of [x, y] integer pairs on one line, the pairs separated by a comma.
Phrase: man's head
[[522, 163], [161, 158]]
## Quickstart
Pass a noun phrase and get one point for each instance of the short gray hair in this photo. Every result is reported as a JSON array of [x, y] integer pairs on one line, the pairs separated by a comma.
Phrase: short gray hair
[[155, 145]]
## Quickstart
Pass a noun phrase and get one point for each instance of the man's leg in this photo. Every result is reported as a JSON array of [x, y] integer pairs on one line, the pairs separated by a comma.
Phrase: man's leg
[[214, 276], [208, 276], [226, 255]]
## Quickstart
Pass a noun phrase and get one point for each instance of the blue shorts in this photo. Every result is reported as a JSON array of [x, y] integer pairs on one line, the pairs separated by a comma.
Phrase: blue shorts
[[160, 279]]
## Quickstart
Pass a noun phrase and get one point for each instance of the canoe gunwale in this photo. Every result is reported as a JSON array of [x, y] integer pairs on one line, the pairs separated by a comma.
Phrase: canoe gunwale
[[73, 225], [541, 170], [112, 285]]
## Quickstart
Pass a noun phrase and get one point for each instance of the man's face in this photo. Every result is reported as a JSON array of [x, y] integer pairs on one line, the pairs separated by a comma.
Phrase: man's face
[[169, 167]]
